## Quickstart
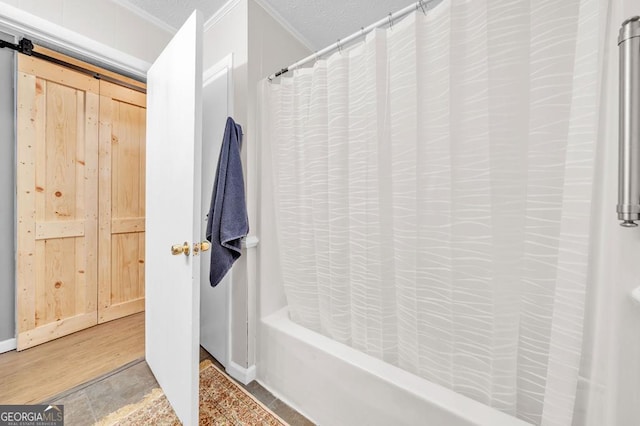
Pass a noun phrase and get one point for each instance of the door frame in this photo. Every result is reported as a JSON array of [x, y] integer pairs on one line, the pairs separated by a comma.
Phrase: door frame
[[225, 65], [215, 70]]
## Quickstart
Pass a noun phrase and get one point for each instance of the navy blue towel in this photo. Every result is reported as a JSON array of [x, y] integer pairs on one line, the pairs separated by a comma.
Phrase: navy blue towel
[[227, 222]]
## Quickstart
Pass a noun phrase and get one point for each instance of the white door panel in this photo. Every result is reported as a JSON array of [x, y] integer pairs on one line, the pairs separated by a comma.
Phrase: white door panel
[[173, 206]]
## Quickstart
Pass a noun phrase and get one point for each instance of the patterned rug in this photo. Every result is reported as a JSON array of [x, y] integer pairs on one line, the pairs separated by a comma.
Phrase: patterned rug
[[222, 402]]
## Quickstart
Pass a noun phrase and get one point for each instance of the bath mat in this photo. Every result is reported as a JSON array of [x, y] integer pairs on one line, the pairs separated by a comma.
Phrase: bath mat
[[222, 402]]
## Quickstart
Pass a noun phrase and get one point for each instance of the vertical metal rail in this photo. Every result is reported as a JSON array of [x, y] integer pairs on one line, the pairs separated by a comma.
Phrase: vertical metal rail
[[629, 131]]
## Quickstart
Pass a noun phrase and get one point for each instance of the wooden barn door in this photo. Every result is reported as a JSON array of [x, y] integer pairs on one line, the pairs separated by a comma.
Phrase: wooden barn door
[[81, 199], [122, 202], [57, 201]]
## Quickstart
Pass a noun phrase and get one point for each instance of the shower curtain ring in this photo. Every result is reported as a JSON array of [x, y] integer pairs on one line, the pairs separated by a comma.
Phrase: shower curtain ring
[[421, 6], [339, 46], [364, 37], [390, 21]]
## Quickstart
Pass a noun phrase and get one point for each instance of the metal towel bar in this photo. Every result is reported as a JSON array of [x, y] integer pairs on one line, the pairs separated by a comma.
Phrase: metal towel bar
[[629, 131]]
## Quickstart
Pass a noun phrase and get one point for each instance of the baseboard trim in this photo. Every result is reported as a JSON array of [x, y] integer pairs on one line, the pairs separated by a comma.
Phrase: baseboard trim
[[241, 374], [9, 345]]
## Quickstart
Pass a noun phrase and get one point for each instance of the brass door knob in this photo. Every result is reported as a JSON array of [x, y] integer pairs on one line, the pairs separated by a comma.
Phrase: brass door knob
[[181, 249], [203, 246]]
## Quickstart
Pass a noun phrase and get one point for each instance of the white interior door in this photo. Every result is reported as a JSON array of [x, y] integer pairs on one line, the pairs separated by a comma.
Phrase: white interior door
[[215, 302], [174, 146]]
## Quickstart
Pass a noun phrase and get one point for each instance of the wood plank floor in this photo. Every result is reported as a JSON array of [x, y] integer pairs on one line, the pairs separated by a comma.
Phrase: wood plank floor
[[37, 374]]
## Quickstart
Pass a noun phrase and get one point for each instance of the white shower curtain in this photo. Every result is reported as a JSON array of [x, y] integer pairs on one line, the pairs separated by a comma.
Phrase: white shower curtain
[[432, 188]]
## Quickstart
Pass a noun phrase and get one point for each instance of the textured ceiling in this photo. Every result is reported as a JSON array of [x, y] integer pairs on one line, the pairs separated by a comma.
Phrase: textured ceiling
[[320, 22]]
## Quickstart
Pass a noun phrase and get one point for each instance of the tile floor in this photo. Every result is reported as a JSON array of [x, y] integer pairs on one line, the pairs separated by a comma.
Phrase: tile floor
[[92, 401]]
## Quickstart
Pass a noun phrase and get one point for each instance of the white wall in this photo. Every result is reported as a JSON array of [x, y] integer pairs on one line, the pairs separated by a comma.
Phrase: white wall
[[611, 354], [7, 194], [259, 45], [271, 47], [103, 21], [227, 33]]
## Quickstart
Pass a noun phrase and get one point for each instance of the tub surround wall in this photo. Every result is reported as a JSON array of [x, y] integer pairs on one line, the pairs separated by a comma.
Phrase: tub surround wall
[[611, 346]]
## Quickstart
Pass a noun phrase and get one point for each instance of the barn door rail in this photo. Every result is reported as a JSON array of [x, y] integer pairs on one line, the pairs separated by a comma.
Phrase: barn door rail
[[25, 46]]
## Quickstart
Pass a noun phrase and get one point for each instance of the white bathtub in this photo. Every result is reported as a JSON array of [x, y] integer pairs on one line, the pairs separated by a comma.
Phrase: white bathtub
[[333, 384]]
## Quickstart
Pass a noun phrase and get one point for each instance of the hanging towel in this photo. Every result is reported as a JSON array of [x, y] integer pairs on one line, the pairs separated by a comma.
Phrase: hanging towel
[[227, 222]]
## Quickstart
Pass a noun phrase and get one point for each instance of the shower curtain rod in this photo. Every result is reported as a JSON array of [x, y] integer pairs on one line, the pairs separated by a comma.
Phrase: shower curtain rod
[[421, 4]]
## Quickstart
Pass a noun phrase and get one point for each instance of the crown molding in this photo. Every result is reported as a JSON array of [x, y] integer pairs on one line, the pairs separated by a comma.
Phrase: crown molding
[[221, 13], [285, 24], [146, 16]]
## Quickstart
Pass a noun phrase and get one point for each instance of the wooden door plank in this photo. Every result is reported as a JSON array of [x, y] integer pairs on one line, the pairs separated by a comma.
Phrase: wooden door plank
[[126, 175], [141, 123], [119, 310], [60, 149], [41, 153], [63, 229], [58, 74], [25, 182], [122, 94], [127, 225], [81, 248], [91, 193], [141, 260], [56, 258], [124, 268], [104, 210], [57, 329], [92, 67], [41, 199], [86, 201], [142, 119]]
